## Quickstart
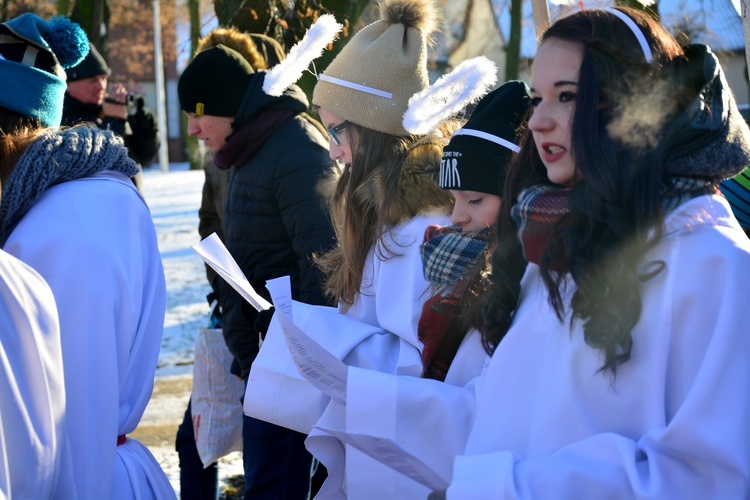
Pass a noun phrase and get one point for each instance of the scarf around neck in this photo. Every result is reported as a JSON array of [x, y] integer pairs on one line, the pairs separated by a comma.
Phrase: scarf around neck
[[447, 253], [244, 143], [56, 157], [540, 208]]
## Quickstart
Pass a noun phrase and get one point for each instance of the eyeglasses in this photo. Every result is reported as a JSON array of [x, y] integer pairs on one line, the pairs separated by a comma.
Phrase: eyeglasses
[[334, 132]]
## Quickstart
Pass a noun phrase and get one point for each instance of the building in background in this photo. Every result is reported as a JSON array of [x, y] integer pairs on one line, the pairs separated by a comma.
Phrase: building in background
[[482, 27], [131, 58]]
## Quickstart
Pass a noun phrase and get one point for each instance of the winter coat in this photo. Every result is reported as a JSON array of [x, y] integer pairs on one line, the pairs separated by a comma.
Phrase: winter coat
[[211, 211], [91, 237], [32, 392], [139, 131], [276, 215]]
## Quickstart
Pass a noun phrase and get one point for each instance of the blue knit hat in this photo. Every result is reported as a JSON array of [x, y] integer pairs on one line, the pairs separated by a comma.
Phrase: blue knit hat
[[33, 54]]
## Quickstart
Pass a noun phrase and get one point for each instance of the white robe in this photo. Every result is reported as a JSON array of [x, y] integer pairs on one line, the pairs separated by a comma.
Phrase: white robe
[[378, 332], [540, 422], [673, 423], [93, 240], [34, 459]]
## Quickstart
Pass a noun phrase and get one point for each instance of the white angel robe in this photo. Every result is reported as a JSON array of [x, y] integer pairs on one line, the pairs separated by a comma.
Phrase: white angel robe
[[543, 422], [94, 242], [34, 458], [378, 332], [673, 423]]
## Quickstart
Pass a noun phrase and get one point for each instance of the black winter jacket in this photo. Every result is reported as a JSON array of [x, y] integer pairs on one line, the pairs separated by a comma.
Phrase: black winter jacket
[[275, 215]]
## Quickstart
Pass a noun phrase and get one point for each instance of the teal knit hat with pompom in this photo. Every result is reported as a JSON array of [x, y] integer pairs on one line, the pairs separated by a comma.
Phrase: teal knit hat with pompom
[[33, 55]]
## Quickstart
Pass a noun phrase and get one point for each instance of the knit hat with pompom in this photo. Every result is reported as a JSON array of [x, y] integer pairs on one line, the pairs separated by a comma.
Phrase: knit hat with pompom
[[371, 80], [33, 55]]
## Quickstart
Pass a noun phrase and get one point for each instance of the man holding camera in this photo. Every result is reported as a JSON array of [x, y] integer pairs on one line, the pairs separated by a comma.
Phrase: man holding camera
[[87, 100]]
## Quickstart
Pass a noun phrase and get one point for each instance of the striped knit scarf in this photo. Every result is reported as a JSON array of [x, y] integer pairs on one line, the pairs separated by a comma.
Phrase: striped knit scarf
[[56, 157], [540, 208]]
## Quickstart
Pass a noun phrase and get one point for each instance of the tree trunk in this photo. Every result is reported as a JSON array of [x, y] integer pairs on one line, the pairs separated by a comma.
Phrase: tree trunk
[[195, 152], [93, 16], [513, 49]]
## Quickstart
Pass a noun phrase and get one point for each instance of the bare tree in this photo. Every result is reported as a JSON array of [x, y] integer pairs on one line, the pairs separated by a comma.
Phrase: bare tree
[[287, 21]]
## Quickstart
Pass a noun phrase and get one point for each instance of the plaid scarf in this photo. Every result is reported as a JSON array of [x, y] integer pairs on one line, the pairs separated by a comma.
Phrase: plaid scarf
[[447, 255], [540, 208]]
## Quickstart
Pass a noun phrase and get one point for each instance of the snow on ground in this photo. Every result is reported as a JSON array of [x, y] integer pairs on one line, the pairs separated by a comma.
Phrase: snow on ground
[[174, 198]]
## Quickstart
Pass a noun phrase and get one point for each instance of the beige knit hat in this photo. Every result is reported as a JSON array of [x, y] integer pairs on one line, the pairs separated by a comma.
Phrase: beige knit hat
[[371, 80]]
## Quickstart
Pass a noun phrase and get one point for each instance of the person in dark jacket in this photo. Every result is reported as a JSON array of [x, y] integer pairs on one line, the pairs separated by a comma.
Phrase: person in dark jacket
[[275, 219], [87, 101], [196, 481]]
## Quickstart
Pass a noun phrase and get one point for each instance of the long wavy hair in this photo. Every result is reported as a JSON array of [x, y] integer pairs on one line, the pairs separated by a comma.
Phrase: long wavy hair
[[371, 198], [616, 211], [17, 132]]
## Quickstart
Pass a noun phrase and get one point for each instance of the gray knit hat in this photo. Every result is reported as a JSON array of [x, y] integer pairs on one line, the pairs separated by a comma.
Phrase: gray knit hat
[[371, 80]]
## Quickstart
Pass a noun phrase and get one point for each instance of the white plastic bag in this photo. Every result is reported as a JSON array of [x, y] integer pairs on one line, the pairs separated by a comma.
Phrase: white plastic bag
[[216, 406]]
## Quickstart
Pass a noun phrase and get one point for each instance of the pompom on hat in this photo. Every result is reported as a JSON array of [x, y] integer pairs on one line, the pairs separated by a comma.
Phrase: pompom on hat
[[478, 154], [214, 82], [372, 79], [92, 65], [33, 55]]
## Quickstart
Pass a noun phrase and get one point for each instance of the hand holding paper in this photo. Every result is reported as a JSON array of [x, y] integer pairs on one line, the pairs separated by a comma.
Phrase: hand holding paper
[[391, 454], [216, 255], [321, 368]]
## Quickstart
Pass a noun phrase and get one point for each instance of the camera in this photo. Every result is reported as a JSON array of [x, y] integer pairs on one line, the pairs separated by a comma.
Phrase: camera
[[134, 102]]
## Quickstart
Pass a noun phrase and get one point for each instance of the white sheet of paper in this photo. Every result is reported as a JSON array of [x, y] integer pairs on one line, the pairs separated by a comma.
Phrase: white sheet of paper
[[321, 368], [216, 255], [391, 454]]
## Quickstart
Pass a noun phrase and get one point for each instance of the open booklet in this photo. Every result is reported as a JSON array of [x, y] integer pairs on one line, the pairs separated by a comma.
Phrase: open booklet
[[319, 367]]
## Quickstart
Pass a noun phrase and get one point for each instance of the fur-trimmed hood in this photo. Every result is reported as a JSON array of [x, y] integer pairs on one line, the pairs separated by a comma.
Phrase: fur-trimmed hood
[[417, 190]]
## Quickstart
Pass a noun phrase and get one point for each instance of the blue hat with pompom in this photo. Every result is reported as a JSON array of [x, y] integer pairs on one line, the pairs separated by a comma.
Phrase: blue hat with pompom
[[33, 55]]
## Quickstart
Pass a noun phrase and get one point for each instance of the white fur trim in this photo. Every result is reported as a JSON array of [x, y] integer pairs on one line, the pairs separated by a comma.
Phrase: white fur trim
[[321, 34], [466, 84]]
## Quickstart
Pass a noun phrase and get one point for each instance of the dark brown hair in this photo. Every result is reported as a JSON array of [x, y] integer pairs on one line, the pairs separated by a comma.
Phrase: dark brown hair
[[615, 206]]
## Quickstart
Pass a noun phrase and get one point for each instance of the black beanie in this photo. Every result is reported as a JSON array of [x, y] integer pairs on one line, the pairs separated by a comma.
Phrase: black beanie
[[92, 65], [479, 152], [214, 82]]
